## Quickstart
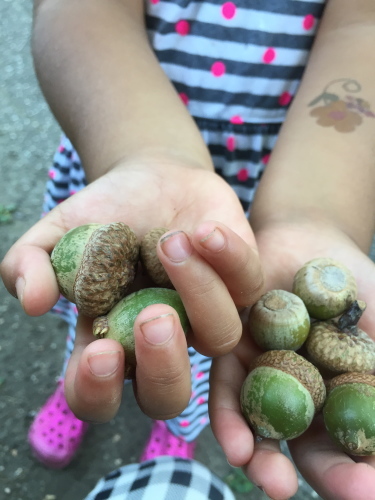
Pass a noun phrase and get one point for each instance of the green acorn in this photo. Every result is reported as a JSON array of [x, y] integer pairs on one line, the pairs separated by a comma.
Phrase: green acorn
[[279, 320], [349, 413], [118, 324], [326, 286], [281, 394]]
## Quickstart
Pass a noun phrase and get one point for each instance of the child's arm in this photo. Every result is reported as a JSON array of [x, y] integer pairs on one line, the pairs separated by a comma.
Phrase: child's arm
[[106, 87], [317, 198], [322, 168], [148, 167]]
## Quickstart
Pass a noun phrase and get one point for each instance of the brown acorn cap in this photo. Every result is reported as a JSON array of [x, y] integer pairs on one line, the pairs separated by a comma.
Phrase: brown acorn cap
[[339, 351], [108, 268], [351, 378], [297, 366], [150, 259]]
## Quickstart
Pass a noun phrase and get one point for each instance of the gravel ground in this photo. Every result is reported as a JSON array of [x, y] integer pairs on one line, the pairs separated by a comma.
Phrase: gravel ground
[[31, 349]]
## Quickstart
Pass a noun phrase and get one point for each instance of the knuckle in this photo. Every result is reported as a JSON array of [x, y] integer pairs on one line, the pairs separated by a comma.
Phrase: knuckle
[[203, 288]]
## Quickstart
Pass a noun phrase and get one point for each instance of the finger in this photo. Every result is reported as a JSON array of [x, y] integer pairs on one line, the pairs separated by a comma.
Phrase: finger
[[163, 381], [227, 422], [272, 471], [235, 260], [263, 462], [29, 276], [332, 473], [27, 271], [95, 375], [212, 313]]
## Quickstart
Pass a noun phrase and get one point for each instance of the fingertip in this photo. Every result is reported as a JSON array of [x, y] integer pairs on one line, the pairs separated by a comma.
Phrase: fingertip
[[163, 383], [28, 275], [272, 471], [94, 380], [234, 436]]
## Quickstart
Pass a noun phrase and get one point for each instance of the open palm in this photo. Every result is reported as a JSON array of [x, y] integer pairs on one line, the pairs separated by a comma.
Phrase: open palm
[[283, 250], [215, 268]]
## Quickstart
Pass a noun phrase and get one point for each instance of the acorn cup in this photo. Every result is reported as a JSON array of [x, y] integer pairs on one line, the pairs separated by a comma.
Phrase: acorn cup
[[339, 345], [349, 413], [279, 320], [118, 324], [326, 287], [95, 264], [150, 260], [281, 395]]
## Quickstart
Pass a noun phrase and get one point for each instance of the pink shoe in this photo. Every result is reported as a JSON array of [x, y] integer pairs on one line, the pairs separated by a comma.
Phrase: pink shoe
[[56, 433], [162, 442]]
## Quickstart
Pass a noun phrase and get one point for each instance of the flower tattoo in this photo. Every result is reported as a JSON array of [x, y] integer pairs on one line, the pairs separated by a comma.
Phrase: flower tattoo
[[342, 112]]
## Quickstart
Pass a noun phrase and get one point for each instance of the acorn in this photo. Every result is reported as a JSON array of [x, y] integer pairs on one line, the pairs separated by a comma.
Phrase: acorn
[[95, 264], [339, 346], [281, 394], [279, 320], [349, 413], [118, 324], [150, 259], [326, 286]]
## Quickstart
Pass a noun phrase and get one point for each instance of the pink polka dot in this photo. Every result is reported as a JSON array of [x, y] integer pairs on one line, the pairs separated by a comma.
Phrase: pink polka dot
[[242, 175], [201, 400], [182, 27], [199, 375], [154, 1], [269, 55], [51, 174], [184, 98], [231, 143], [228, 10], [75, 309], [61, 149], [203, 420], [285, 99], [192, 395], [237, 120], [184, 423], [308, 22], [218, 68], [72, 191], [266, 159]]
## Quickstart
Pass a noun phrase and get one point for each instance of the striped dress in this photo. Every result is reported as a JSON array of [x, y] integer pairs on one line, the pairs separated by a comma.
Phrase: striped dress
[[236, 65]]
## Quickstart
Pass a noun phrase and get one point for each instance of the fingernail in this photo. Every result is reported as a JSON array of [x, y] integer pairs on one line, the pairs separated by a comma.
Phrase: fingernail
[[20, 288], [103, 364], [158, 330], [176, 246], [214, 241]]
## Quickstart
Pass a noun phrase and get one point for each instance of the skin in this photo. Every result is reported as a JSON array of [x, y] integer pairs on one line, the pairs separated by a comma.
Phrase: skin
[[310, 202]]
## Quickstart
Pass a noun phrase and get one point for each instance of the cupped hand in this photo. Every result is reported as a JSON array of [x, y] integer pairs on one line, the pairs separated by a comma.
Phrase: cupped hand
[[209, 254], [283, 249]]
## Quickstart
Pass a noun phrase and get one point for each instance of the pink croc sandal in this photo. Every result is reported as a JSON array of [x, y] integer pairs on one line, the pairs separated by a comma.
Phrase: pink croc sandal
[[163, 442], [56, 433]]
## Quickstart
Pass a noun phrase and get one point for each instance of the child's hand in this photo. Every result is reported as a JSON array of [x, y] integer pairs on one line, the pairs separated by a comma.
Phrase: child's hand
[[215, 269], [333, 474]]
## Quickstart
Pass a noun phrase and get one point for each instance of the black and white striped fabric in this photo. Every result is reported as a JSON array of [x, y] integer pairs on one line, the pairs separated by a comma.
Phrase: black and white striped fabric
[[165, 478], [236, 65]]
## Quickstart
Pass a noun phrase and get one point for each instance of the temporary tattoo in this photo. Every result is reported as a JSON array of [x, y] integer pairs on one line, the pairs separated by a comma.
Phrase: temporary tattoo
[[341, 110]]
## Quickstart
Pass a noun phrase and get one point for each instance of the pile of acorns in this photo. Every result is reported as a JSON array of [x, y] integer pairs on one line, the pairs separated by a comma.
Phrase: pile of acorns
[[95, 266], [334, 372]]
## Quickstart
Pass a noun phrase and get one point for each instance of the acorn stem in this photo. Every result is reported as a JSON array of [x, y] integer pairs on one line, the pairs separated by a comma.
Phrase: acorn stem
[[347, 322]]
